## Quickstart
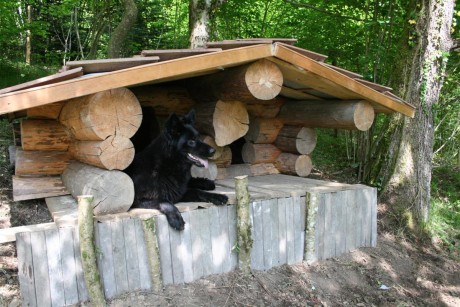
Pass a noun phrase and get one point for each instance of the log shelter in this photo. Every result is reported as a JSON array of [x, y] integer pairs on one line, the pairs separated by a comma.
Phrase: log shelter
[[258, 102]]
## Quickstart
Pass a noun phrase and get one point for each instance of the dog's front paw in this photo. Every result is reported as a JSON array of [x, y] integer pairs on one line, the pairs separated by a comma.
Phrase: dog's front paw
[[173, 216], [219, 199]]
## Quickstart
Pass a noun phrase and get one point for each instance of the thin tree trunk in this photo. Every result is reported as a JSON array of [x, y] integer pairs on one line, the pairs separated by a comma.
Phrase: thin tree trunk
[[119, 35], [200, 14], [411, 148], [28, 35]]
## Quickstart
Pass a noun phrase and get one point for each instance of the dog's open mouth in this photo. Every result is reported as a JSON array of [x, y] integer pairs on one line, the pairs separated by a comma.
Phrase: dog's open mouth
[[198, 161]]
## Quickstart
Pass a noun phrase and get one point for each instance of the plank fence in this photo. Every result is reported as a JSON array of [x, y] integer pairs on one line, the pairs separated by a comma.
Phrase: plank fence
[[292, 220]]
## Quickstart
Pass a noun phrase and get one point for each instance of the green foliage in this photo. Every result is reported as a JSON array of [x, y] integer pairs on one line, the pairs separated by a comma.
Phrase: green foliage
[[444, 220], [13, 73]]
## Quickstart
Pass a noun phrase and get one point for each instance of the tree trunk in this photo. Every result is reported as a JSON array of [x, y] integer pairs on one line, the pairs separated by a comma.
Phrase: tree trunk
[[407, 174], [200, 13], [118, 37]]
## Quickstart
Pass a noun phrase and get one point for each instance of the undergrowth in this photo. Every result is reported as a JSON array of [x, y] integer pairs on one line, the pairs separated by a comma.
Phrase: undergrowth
[[444, 223], [12, 73]]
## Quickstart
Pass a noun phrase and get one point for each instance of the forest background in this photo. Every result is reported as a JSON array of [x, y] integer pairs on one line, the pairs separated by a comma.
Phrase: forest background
[[374, 38]]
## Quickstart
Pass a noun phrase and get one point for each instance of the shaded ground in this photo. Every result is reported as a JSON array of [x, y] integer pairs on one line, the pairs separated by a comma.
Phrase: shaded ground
[[410, 275]]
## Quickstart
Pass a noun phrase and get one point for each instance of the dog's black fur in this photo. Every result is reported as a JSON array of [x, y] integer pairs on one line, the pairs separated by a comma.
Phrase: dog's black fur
[[161, 172]]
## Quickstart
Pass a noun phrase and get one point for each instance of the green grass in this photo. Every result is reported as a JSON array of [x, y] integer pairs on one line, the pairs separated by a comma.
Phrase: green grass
[[445, 207]]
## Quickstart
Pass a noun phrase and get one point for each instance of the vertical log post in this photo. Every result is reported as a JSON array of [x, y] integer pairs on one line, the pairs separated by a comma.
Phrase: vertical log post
[[88, 250], [243, 224], [153, 252]]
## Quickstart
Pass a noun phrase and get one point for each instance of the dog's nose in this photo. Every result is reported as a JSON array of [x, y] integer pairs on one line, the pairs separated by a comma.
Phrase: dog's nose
[[211, 151]]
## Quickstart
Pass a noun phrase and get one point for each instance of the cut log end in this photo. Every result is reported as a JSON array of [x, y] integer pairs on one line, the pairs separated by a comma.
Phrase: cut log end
[[364, 116], [264, 79]]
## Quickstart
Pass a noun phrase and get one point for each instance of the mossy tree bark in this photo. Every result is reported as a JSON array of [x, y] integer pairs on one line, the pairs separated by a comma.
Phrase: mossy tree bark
[[406, 171], [119, 35], [200, 14]]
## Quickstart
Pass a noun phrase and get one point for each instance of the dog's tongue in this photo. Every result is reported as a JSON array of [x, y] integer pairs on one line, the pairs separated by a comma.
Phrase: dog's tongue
[[204, 162]]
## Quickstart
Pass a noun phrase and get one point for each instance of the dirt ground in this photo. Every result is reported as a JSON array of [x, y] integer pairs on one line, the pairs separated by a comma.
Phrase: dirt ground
[[397, 272]]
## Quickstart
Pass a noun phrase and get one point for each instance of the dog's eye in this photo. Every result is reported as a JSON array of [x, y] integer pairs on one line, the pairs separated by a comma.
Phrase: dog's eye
[[191, 143]]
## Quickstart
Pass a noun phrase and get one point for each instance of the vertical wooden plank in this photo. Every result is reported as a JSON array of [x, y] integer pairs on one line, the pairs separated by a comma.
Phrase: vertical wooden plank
[[206, 238], [350, 243], [131, 258], [337, 217], [274, 224], [81, 284], [311, 225], [119, 257], [303, 223], [257, 253], [165, 249], [54, 267], [298, 230], [197, 243], [25, 269], [68, 264], [290, 231], [41, 272], [329, 244], [232, 233], [142, 258], [176, 256], [368, 214], [267, 234], [105, 258], [226, 249], [374, 217], [358, 218], [186, 249], [217, 241], [364, 202], [282, 245], [320, 227]]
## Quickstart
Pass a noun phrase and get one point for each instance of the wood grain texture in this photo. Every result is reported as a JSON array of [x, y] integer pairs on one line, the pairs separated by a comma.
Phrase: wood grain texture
[[43, 134], [98, 116]]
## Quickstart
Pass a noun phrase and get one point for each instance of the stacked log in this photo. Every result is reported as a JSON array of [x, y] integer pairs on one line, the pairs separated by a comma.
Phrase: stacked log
[[224, 121], [93, 129]]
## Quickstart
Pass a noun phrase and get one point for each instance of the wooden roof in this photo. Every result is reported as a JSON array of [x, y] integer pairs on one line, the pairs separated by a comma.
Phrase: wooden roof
[[306, 76]]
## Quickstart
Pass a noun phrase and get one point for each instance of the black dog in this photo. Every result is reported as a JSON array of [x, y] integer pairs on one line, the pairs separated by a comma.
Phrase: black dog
[[161, 172]]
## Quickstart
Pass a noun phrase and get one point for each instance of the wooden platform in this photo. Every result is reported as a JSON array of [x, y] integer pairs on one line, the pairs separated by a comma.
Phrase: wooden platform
[[293, 219]]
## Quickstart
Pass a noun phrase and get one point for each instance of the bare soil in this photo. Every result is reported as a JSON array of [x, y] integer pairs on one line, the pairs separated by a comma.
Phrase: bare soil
[[398, 272]]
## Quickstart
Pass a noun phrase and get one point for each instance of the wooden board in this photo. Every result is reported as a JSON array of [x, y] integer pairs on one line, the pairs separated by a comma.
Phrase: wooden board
[[9, 234], [341, 81], [106, 65], [155, 72], [238, 43], [170, 54], [37, 187], [61, 76]]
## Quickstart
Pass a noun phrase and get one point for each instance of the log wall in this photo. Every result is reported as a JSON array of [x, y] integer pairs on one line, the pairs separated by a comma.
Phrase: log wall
[[292, 220]]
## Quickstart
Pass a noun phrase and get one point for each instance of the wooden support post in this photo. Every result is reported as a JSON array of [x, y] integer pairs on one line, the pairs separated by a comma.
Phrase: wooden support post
[[153, 252], [88, 251], [243, 224], [312, 201]]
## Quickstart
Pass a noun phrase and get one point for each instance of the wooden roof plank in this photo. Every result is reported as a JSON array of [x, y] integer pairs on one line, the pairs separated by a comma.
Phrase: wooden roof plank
[[295, 75], [170, 54], [238, 43], [296, 94], [106, 65], [361, 90], [131, 76], [61, 76], [308, 53]]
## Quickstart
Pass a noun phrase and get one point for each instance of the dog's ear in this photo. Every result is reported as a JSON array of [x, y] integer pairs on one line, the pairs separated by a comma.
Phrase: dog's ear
[[190, 117], [173, 123]]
